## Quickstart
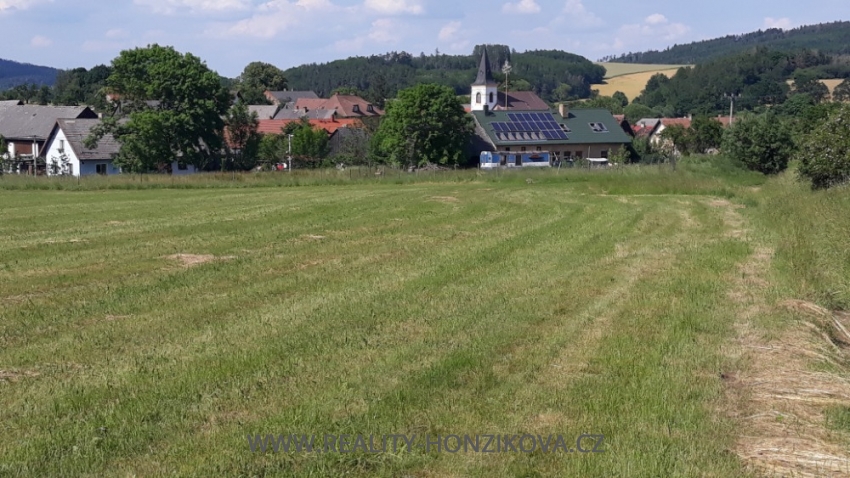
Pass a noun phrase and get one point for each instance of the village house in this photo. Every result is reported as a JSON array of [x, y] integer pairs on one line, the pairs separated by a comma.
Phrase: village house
[[527, 124], [343, 106], [287, 99], [27, 127], [65, 153]]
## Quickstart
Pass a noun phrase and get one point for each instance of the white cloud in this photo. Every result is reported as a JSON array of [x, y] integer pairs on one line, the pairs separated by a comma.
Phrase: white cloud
[[783, 23], [116, 33], [169, 7], [655, 26], [275, 17], [395, 7], [522, 7], [383, 31], [8, 5], [577, 14], [656, 19], [449, 31], [40, 41]]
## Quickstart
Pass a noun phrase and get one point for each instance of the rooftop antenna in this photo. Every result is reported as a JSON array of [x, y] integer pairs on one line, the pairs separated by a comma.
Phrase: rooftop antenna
[[507, 71]]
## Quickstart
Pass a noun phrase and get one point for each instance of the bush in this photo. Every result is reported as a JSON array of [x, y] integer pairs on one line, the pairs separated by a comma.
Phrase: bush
[[825, 152], [762, 143]]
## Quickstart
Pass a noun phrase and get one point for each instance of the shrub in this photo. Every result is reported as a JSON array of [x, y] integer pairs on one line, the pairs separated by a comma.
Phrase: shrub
[[762, 143], [825, 152]]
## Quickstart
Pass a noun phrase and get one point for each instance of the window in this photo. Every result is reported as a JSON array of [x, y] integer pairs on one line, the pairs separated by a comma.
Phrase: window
[[507, 148], [61, 145], [478, 98], [370, 108], [604, 153], [100, 168], [598, 127], [522, 149], [539, 148], [491, 97], [579, 154], [70, 169], [356, 108], [182, 167]]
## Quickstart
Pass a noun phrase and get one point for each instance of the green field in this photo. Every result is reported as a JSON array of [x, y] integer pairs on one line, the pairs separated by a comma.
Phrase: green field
[[147, 330]]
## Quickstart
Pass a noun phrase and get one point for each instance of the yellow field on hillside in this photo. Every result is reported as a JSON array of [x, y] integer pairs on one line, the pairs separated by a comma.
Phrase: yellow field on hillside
[[632, 84], [620, 69], [830, 84]]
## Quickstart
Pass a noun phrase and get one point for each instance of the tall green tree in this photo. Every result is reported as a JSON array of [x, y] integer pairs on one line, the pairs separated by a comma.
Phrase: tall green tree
[[842, 91], [185, 121], [621, 97], [243, 138], [705, 134], [256, 78], [763, 143], [425, 124], [825, 152]]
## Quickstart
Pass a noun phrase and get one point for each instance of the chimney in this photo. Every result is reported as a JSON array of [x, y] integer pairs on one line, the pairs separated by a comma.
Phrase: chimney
[[563, 110], [486, 110]]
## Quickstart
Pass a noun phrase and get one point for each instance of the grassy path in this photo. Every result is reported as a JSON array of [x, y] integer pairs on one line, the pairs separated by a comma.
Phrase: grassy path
[[427, 309]]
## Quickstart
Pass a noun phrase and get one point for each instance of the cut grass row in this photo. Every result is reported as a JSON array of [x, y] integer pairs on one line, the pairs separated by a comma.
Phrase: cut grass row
[[582, 302]]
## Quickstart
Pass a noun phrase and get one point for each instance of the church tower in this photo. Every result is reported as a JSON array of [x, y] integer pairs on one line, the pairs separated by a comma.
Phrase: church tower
[[485, 90]]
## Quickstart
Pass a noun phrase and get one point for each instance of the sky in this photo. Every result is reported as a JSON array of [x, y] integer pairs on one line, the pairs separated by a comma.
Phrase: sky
[[229, 34]]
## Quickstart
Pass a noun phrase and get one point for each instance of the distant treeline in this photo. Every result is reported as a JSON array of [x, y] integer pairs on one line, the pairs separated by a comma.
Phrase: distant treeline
[[13, 74], [554, 75], [757, 78], [829, 38]]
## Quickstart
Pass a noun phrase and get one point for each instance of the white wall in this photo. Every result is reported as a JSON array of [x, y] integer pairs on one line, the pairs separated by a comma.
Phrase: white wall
[[53, 153], [176, 171], [78, 168]]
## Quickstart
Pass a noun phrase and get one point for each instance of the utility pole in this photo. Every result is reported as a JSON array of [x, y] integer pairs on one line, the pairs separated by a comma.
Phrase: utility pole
[[507, 71], [289, 155], [732, 97]]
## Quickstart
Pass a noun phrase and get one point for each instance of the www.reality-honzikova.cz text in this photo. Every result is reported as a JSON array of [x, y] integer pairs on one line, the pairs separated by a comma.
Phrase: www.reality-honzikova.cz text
[[374, 444]]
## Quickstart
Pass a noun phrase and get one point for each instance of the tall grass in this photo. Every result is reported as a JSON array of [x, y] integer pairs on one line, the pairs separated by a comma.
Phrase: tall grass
[[811, 230], [692, 176]]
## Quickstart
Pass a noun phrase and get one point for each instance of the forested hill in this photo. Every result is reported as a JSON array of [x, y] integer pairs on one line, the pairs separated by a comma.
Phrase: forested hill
[[554, 75], [829, 38], [13, 74]]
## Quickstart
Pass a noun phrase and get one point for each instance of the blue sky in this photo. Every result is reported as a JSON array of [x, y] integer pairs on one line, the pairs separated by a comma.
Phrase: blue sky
[[228, 34]]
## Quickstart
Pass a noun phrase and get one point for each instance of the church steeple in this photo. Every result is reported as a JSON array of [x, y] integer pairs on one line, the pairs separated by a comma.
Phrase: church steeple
[[485, 76], [485, 89]]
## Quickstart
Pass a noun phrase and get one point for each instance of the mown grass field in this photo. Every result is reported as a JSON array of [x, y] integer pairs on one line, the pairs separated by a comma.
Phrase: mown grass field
[[148, 332]]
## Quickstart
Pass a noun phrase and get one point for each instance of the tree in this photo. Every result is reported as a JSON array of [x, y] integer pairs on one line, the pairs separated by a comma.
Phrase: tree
[[309, 145], [348, 90], [679, 137], [825, 152], [244, 140], [425, 124], [185, 122], [605, 102], [705, 134], [842, 91], [272, 148], [635, 112], [807, 83], [621, 97], [258, 77], [762, 143]]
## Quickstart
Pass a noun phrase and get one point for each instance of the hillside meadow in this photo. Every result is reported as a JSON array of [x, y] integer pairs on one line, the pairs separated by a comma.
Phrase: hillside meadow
[[692, 317]]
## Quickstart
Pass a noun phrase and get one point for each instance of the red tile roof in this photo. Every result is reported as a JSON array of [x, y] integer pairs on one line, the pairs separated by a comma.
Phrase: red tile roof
[[685, 122], [276, 126], [346, 106]]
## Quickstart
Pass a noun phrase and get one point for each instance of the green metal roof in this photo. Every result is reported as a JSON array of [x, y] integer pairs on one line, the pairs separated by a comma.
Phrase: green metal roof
[[578, 122]]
